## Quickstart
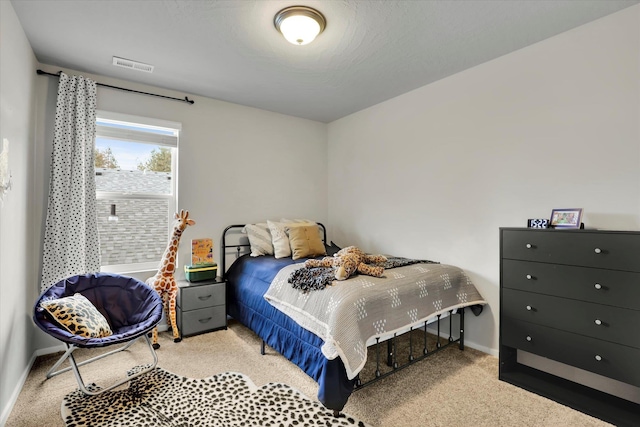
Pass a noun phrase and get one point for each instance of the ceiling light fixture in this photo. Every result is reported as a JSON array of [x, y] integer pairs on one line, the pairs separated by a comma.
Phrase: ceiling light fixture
[[299, 24]]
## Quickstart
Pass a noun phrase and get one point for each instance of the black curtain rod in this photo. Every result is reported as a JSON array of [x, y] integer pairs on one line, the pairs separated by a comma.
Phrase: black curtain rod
[[186, 99]]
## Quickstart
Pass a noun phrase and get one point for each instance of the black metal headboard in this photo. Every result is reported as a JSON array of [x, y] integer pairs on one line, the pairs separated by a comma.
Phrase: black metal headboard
[[240, 245]]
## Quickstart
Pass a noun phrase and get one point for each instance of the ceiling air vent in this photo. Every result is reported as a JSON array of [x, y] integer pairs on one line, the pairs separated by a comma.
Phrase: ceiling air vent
[[132, 65]]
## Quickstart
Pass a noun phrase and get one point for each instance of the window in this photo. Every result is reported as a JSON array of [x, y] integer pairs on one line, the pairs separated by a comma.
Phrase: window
[[135, 160]]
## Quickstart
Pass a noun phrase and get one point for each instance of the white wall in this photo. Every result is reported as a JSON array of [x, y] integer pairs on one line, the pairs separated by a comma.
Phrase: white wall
[[432, 174], [18, 287], [235, 163], [435, 172]]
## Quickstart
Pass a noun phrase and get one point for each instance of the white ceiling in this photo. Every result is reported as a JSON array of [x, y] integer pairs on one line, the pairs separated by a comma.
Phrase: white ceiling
[[229, 50]]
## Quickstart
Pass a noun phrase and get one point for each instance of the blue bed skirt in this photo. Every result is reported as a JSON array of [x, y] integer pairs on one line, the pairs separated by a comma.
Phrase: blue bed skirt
[[247, 281]]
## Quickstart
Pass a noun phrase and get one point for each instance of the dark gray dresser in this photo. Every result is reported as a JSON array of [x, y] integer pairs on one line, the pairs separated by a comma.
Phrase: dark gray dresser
[[201, 306], [572, 296]]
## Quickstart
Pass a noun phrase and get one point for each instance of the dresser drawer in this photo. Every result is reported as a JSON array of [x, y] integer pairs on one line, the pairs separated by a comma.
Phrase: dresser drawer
[[204, 319], [609, 359], [199, 296], [610, 287], [576, 247], [606, 323]]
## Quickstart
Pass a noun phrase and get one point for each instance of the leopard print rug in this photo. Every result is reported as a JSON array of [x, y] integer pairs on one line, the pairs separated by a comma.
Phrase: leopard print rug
[[230, 399]]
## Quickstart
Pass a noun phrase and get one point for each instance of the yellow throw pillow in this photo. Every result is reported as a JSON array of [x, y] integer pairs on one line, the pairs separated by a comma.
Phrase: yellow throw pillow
[[77, 315], [297, 221], [305, 241]]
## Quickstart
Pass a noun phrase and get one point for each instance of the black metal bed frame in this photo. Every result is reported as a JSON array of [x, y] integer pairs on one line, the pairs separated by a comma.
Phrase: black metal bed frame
[[238, 246], [391, 351], [391, 354]]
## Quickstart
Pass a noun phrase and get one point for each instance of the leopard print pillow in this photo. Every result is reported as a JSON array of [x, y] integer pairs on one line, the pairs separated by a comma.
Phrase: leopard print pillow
[[77, 315]]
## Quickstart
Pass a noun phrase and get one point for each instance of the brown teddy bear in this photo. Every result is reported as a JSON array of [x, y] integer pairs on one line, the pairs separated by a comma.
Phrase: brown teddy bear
[[349, 260]]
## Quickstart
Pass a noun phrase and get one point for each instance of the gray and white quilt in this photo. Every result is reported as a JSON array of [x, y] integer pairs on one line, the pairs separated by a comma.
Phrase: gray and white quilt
[[349, 313]]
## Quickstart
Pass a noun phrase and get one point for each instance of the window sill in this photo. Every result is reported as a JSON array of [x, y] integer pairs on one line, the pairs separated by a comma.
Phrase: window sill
[[141, 274]]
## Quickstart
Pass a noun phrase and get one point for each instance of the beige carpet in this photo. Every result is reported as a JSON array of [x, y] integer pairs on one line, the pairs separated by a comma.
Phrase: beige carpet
[[451, 388]]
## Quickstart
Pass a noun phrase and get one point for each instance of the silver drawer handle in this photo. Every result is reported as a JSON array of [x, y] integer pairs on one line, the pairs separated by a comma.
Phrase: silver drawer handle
[[529, 277], [529, 246], [597, 286], [205, 297], [528, 338], [598, 322], [597, 250], [204, 320], [529, 308], [598, 357]]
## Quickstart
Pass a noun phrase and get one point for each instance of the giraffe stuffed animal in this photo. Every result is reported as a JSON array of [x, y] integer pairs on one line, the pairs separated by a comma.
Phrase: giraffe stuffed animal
[[163, 282]]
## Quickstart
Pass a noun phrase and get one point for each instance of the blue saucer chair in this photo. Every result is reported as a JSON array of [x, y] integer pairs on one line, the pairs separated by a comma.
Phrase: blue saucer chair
[[130, 306]]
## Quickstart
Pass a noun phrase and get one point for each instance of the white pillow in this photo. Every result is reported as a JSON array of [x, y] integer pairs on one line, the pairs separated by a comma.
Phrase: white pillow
[[279, 239], [296, 221], [259, 239]]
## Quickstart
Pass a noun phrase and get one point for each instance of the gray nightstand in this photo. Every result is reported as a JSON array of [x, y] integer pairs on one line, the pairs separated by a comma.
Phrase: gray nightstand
[[201, 306]]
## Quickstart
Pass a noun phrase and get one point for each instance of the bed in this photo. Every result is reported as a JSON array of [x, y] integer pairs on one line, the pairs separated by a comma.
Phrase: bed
[[334, 358]]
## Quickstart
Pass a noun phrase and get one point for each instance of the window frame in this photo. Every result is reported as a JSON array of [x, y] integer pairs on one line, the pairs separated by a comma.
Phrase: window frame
[[129, 135]]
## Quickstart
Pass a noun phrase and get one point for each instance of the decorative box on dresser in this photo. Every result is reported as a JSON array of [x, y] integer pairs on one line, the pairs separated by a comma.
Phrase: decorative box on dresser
[[201, 306], [572, 296]]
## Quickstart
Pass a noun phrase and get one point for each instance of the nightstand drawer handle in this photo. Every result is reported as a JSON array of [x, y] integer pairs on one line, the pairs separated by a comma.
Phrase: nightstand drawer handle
[[597, 286], [205, 297], [598, 357], [597, 250], [205, 320], [598, 322], [528, 338], [529, 277], [529, 245], [529, 308]]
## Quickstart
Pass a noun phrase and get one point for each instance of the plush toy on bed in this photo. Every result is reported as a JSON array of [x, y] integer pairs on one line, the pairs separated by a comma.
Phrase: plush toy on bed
[[349, 260]]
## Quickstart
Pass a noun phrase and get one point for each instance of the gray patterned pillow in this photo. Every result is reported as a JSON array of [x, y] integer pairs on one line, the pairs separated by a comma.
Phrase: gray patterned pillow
[[259, 239]]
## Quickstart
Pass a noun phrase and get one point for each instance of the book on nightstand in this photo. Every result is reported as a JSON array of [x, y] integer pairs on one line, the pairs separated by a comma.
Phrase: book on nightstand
[[202, 252]]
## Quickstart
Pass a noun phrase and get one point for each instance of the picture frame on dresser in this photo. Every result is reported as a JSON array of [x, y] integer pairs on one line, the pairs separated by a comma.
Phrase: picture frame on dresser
[[566, 218]]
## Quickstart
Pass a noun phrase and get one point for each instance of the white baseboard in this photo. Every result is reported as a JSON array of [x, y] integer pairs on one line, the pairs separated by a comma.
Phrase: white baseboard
[[482, 348], [467, 342], [6, 411], [49, 350]]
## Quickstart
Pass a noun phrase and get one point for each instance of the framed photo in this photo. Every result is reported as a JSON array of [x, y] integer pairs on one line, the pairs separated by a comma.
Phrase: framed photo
[[566, 218]]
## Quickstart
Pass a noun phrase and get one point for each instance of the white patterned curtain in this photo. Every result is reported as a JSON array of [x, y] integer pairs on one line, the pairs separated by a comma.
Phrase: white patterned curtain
[[71, 244]]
